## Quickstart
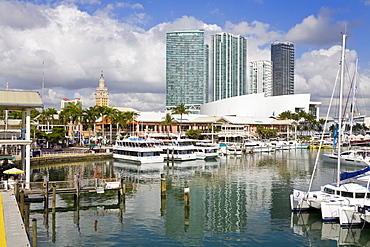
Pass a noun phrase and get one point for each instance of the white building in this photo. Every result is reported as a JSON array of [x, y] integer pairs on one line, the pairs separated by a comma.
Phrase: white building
[[64, 102], [258, 105], [261, 77]]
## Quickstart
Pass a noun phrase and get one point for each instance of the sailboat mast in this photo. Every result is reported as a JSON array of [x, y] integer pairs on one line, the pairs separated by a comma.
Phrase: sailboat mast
[[340, 135]]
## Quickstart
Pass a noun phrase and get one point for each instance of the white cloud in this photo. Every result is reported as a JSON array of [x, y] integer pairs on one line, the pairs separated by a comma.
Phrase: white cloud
[[317, 31]]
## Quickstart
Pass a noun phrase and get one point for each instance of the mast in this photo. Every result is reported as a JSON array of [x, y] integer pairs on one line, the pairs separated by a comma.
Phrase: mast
[[340, 131]]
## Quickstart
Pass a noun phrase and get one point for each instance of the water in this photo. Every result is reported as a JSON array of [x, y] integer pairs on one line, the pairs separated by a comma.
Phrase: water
[[233, 201]]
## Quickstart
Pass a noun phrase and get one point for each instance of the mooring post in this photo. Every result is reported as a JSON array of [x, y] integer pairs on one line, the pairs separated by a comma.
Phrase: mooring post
[[163, 185], [16, 191], [77, 187], [34, 232], [53, 203], [168, 156], [187, 194], [27, 217], [46, 194], [21, 203], [173, 156]]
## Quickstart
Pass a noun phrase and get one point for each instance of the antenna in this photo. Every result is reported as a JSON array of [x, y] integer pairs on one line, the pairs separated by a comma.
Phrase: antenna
[[43, 81]]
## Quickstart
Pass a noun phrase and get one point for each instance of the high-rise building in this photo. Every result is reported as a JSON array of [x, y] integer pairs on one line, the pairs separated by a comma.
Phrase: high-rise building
[[261, 77], [186, 68], [64, 102], [229, 65], [282, 57], [101, 93]]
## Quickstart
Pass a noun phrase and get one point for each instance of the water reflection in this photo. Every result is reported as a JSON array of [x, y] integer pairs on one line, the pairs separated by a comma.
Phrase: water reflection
[[236, 200]]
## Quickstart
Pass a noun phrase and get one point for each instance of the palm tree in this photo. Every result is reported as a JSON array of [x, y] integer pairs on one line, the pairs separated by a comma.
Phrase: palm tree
[[180, 110], [120, 120], [89, 116], [48, 116], [130, 117], [110, 113], [168, 121], [72, 114]]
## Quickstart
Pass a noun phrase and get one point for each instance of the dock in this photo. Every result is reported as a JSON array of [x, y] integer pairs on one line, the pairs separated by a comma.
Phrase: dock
[[12, 229]]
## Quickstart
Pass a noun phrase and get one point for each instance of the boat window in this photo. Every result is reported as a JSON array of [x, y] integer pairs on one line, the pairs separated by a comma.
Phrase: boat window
[[329, 191], [362, 195], [347, 194]]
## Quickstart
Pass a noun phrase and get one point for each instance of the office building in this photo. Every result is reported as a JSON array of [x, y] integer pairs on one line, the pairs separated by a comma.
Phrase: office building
[[186, 68], [261, 77], [282, 57], [101, 94], [64, 102], [229, 65]]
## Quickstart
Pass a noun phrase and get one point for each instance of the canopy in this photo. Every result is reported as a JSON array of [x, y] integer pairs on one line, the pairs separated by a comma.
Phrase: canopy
[[14, 171]]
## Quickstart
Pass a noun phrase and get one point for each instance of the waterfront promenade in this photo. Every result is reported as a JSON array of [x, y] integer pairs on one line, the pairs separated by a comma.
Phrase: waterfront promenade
[[12, 228]]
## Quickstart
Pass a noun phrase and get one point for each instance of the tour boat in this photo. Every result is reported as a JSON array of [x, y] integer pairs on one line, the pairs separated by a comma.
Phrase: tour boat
[[178, 149], [206, 151], [138, 150]]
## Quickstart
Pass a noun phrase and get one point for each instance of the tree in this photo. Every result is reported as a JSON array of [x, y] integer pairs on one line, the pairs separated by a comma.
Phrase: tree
[[266, 133], [89, 116], [180, 110], [72, 114], [168, 121], [194, 134], [130, 117], [47, 115]]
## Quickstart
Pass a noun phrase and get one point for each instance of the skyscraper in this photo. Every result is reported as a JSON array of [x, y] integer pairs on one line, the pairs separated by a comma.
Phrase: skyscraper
[[229, 65], [261, 77], [282, 57], [186, 68], [101, 94]]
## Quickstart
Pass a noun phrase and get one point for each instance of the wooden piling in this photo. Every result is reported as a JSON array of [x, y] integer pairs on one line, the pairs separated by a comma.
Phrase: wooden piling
[[163, 185], [27, 218], [187, 195], [53, 203], [21, 203], [34, 232], [16, 191], [77, 187]]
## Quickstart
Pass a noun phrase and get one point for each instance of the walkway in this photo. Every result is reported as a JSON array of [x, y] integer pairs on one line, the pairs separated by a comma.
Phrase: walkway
[[12, 229]]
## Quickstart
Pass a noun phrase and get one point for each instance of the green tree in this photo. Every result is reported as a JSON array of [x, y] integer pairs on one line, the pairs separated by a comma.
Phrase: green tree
[[194, 134], [56, 136], [266, 133], [47, 116], [130, 116], [168, 121], [72, 114], [180, 110]]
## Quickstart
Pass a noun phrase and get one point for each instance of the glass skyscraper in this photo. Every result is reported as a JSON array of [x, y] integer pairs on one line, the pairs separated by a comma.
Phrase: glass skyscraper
[[229, 65], [282, 57], [186, 68]]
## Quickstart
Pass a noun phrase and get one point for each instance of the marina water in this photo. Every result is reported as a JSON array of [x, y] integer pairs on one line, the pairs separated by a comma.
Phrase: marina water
[[234, 200]]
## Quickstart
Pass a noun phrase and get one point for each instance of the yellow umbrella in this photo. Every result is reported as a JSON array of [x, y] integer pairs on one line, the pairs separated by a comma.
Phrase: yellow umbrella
[[14, 171]]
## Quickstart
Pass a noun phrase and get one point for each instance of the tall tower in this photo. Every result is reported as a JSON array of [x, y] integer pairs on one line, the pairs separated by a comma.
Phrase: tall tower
[[282, 57], [101, 94], [261, 77], [186, 68], [229, 65]]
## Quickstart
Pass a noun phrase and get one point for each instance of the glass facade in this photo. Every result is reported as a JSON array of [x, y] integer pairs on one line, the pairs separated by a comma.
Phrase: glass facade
[[261, 77], [229, 65], [186, 68], [282, 57]]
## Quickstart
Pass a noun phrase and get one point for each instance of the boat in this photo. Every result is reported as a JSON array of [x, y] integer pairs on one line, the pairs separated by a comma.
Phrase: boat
[[205, 151], [253, 146], [178, 149], [356, 157], [339, 198], [139, 150]]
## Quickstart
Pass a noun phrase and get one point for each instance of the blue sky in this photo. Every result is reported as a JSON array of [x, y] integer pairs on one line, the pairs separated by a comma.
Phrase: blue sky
[[68, 43]]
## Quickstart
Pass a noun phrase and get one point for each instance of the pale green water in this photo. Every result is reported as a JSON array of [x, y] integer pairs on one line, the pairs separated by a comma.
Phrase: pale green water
[[233, 201]]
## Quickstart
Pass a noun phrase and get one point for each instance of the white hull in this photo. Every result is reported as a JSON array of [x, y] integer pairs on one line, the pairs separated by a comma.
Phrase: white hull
[[142, 160], [352, 157]]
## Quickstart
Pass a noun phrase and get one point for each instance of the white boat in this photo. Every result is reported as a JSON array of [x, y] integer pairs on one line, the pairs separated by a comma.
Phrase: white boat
[[334, 199], [178, 150], [356, 157], [252, 146], [234, 150], [206, 151], [138, 150]]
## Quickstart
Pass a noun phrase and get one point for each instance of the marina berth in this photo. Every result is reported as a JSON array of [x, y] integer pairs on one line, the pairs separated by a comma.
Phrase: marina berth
[[139, 150]]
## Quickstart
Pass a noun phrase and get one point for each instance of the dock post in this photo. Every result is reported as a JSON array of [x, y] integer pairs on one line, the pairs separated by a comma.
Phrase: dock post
[[46, 194], [173, 156], [27, 218], [16, 191], [21, 203], [187, 194], [163, 185], [34, 232], [53, 203], [187, 206], [77, 187]]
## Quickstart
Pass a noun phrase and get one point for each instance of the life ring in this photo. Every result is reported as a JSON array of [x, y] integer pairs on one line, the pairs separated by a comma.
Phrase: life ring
[[44, 184]]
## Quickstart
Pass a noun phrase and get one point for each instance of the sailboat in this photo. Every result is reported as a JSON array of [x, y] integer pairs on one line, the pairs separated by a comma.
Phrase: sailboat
[[338, 198]]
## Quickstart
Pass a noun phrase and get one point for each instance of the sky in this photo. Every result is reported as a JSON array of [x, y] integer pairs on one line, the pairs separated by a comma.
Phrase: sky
[[60, 48]]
